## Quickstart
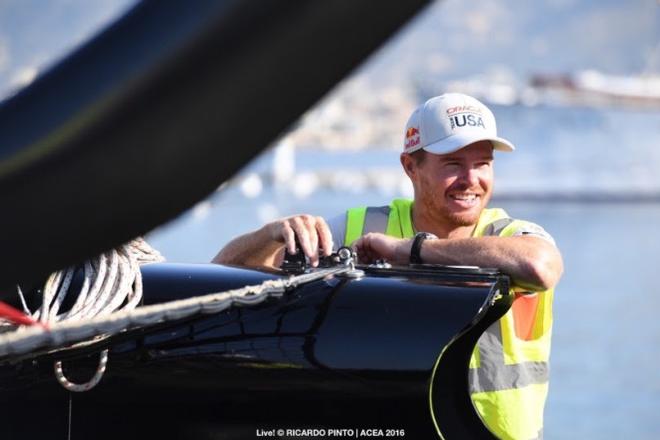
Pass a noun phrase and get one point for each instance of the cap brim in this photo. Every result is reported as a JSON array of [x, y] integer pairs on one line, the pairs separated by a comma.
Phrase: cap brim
[[458, 141]]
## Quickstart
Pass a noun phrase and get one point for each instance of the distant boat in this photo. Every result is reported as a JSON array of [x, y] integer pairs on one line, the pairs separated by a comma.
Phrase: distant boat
[[598, 89]]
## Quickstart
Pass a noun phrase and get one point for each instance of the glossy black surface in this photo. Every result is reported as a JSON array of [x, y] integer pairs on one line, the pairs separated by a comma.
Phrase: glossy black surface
[[335, 352]]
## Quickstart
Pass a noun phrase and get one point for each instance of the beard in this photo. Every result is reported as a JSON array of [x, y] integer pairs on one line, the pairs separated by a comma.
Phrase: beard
[[435, 208]]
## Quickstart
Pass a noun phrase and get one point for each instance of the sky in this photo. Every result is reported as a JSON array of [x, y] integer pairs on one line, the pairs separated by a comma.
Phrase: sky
[[451, 39], [455, 39], [36, 33]]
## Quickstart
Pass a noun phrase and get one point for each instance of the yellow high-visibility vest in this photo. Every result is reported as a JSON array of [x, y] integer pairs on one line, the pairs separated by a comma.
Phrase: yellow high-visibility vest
[[509, 368]]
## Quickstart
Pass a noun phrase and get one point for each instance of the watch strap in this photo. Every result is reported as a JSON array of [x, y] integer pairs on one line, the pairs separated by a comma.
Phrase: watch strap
[[416, 249]]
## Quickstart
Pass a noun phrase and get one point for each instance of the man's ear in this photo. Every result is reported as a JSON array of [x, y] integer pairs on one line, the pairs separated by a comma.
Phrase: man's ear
[[409, 164]]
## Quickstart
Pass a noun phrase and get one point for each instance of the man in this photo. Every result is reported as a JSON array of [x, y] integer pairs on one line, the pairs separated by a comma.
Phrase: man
[[448, 156]]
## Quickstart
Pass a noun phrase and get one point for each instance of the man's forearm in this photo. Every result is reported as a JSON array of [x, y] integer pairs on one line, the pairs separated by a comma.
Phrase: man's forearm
[[254, 249], [531, 262]]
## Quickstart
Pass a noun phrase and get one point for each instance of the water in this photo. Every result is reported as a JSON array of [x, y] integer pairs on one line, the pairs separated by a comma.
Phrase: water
[[605, 381], [606, 343]]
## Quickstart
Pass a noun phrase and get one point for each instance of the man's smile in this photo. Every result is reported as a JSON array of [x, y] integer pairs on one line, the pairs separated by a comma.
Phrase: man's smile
[[465, 200]]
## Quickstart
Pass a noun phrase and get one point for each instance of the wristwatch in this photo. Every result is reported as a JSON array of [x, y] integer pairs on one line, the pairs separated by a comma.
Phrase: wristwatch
[[416, 249]]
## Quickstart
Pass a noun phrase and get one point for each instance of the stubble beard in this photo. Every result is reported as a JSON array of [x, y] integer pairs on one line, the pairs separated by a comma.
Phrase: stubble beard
[[436, 209]]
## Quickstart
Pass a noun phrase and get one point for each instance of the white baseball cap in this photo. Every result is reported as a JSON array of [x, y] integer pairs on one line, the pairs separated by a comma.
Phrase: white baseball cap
[[449, 122]]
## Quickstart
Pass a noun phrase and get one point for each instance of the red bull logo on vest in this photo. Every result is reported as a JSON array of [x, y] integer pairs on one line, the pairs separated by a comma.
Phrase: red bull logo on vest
[[412, 137]]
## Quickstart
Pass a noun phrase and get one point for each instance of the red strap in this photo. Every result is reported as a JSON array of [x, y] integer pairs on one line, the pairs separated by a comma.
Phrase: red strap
[[16, 316]]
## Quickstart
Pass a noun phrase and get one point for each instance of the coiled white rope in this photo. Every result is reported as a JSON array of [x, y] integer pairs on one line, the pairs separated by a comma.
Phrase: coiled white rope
[[112, 282]]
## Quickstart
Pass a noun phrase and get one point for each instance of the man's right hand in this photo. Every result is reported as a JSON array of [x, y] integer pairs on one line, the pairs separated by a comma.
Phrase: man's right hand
[[313, 235], [263, 247]]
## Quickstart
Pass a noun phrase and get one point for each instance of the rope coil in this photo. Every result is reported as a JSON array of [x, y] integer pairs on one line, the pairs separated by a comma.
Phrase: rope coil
[[112, 282]]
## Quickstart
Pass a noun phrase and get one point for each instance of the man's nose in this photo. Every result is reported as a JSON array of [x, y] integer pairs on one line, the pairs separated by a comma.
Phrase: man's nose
[[469, 175]]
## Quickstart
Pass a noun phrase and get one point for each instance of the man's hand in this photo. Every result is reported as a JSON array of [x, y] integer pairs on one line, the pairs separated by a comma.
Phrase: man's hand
[[313, 235], [264, 247], [374, 246]]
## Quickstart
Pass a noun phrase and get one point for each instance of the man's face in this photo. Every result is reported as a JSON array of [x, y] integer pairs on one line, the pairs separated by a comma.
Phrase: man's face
[[454, 188]]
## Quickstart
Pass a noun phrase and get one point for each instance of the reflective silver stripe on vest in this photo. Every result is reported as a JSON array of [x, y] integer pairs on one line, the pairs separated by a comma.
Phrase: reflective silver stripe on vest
[[494, 375], [495, 228], [375, 219]]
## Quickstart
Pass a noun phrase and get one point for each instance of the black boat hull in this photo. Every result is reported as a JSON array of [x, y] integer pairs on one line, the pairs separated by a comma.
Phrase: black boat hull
[[338, 353]]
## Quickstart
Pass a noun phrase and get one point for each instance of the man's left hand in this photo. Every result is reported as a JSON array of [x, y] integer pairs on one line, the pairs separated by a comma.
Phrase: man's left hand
[[375, 246]]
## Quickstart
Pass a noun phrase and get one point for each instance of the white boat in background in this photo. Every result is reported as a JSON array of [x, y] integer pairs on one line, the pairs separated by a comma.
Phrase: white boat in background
[[593, 88]]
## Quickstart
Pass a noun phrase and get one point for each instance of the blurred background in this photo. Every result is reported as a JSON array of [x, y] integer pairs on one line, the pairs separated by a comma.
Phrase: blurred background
[[574, 84]]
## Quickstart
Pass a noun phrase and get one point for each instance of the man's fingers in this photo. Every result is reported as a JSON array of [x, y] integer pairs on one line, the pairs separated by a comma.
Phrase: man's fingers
[[312, 233], [325, 236], [289, 237], [371, 247], [361, 247], [307, 243]]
